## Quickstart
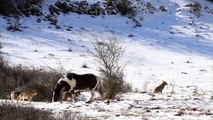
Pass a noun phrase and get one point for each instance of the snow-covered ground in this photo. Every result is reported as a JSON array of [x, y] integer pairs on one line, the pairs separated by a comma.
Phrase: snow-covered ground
[[173, 46]]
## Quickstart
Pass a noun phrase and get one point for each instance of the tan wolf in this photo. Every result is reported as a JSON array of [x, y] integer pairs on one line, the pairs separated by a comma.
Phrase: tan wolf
[[14, 95], [27, 95], [70, 96]]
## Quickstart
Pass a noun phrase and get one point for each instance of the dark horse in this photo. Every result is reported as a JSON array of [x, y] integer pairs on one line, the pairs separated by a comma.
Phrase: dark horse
[[71, 81]]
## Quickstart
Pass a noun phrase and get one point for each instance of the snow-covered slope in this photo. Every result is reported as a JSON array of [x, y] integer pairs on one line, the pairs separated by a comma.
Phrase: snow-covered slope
[[173, 46]]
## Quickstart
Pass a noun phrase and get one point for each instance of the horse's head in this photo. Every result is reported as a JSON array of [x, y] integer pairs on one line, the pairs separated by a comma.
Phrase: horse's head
[[64, 84], [56, 92]]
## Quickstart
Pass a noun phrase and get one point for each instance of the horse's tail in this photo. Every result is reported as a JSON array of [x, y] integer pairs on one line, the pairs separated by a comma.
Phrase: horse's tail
[[99, 87]]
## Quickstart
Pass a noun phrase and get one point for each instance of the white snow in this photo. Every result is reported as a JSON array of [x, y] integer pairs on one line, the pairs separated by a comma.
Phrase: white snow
[[173, 46]]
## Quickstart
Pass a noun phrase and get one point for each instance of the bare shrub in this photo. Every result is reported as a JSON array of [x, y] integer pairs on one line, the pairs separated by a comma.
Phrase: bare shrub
[[25, 78], [7, 7], [5, 88], [34, 2], [68, 115], [123, 6], [41, 81], [18, 112], [12, 112], [107, 54], [195, 8], [14, 24], [20, 7]]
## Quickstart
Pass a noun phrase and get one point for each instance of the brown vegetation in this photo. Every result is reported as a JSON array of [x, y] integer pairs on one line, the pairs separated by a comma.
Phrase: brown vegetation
[[107, 53], [20, 7], [16, 112], [124, 7], [195, 8], [26, 79]]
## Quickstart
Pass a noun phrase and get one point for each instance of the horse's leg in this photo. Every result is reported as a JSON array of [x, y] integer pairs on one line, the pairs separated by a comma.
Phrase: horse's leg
[[61, 101], [92, 91], [62, 92], [63, 96], [99, 88], [73, 97]]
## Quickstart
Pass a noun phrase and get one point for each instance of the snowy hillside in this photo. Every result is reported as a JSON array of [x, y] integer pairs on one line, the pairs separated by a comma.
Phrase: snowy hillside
[[173, 46]]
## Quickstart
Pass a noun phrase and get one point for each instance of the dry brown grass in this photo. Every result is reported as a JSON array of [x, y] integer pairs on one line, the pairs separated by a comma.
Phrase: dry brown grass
[[26, 79], [16, 112]]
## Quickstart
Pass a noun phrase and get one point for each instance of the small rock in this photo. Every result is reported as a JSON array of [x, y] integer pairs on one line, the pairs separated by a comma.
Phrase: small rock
[[162, 8], [38, 20], [68, 29], [131, 35]]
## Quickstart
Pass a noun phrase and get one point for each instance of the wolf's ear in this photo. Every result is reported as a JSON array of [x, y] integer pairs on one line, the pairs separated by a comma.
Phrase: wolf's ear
[[69, 75]]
